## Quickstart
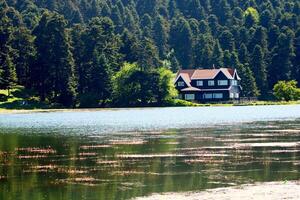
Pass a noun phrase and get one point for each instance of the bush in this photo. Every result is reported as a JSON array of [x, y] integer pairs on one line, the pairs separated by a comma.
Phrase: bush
[[287, 90], [180, 103], [3, 97], [89, 100], [133, 86]]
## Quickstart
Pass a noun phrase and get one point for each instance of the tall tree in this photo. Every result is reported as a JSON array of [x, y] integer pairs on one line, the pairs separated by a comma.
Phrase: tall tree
[[8, 76], [100, 60], [260, 70], [53, 73], [283, 55], [161, 36], [218, 55], [23, 43], [182, 42]]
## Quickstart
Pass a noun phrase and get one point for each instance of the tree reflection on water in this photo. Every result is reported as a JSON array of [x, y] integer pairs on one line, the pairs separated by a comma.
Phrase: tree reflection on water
[[123, 166]]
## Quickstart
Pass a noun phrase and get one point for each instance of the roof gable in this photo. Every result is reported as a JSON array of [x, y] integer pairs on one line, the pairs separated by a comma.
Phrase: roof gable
[[205, 74], [185, 77]]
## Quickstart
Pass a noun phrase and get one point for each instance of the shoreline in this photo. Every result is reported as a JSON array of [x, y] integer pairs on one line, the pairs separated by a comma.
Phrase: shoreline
[[271, 190], [39, 110]]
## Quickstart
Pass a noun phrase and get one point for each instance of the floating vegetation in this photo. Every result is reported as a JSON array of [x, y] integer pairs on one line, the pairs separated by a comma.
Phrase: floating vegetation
[[107, 162], [271, 144], [128, 173], [284, 131], [146, 156], [204, 161], [48, 150], [192, 159], [99, 146], [297, 163], [127, 142], [88, 154], [47, 167], [31, 157], [72, 171]]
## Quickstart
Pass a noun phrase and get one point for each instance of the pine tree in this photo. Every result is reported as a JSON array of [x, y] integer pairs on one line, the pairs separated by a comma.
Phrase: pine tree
[[23, 43], [130, 47], [182, 42], [196, 10], [259, 69], [148, 57], [227, 58], [53, 74], [248, 81], [283, 55], [244, 54], [100, 60], [161, 36], [8, 76], [227, 41], [218, 55]]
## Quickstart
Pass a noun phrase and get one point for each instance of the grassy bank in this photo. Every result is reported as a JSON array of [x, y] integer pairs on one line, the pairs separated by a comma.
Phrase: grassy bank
[[22, 100]]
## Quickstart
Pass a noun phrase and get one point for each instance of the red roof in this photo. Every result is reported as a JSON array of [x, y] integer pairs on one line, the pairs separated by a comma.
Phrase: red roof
[[198, 74]]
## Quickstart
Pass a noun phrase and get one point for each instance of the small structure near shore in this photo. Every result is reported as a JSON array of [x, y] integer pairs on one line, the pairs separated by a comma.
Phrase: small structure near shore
[[208, 85]]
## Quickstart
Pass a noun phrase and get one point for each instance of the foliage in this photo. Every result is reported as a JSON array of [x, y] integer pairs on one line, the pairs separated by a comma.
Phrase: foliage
[[133, 86], [70, 50], [287, 90], [252, 16]]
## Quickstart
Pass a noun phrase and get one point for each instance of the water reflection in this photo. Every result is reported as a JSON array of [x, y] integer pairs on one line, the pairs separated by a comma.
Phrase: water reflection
[[132, 164]]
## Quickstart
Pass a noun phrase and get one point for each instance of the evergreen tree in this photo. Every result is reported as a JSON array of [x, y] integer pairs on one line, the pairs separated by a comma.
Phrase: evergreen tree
[[248, 81], [217, 56], [227, 41], [182, 42], [259, 69], [23, 43], [244, 54], [200, 32], [161, 36], [101, 59], [227, 58], [148, 57], [8, 76], [53, 74], [283, 55]]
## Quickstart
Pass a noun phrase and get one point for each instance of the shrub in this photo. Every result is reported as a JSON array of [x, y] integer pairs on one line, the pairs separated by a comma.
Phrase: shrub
[[286, 90], [3, 97]]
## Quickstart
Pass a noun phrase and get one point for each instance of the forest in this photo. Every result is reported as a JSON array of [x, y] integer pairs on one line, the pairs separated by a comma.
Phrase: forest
[[96, 53]]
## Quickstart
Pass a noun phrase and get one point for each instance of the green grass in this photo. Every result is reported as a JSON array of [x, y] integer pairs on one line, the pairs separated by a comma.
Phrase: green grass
[[24, 99], [183, 103], [20, 99]]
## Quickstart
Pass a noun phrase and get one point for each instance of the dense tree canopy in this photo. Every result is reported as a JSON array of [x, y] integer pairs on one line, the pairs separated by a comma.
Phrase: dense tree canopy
[[70, 50]]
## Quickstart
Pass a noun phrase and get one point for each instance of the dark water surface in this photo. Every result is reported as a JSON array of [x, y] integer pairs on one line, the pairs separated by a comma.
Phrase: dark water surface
[[122, 154]]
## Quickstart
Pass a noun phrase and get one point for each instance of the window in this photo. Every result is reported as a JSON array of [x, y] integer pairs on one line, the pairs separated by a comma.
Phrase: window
[[208, 96], [222, 82], [180, 84], [231, 95], [199, 83], [179, 96], [234, 82], [211, 83], [218, 96], [190, 97], [237, 95]]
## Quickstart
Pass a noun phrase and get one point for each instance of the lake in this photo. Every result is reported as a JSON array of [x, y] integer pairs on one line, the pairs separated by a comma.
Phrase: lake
[[128, 153]]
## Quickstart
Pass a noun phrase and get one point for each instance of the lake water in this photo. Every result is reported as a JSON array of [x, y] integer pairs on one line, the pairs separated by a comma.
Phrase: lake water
[[127, 153]]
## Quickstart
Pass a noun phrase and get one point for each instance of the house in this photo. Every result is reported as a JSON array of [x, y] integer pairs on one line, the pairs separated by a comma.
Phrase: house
[[208, 85]]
